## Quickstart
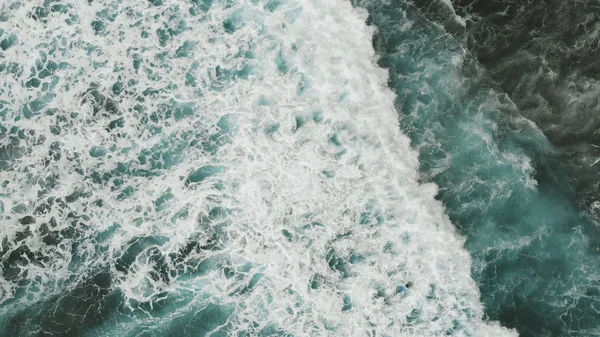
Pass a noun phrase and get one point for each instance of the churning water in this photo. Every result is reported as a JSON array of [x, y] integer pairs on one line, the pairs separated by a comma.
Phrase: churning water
[[279, 168]]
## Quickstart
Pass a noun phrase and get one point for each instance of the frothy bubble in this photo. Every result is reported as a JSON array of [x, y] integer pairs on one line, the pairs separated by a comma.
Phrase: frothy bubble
[[215, 168]]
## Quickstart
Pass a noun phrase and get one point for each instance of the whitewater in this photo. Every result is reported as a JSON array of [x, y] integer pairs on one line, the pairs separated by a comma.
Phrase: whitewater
[[287, 168], [212, 169]]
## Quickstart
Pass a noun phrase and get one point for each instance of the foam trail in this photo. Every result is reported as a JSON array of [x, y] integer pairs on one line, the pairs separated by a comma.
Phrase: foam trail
[[440, 12], [215, 168]]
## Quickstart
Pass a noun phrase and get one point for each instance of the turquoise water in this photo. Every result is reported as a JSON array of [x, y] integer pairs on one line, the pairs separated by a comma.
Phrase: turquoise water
[[535, 251], [275, 168]]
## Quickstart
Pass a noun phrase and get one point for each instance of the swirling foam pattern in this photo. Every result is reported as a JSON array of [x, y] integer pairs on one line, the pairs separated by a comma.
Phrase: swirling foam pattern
[[226, 168]]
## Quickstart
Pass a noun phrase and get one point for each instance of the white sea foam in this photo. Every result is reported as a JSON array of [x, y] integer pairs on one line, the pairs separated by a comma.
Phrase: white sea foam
[[312, 169]]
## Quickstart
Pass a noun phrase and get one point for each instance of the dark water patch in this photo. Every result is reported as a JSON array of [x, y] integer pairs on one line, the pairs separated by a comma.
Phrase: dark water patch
[[72, 313], [552, 46]]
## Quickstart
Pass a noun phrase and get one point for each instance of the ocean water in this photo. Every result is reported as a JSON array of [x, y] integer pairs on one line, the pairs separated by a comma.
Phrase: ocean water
[[278, 168], [559, 89], [524, 194]]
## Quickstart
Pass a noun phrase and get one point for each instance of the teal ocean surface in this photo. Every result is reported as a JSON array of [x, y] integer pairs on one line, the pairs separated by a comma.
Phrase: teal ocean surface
[[299, 168]]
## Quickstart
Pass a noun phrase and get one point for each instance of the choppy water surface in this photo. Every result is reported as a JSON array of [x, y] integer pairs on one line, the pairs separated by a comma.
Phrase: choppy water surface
[[523, 197], [278, 168]]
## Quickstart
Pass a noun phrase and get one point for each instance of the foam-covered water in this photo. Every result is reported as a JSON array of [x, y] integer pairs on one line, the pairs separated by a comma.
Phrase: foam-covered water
[[192, 168], [513, 192]]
